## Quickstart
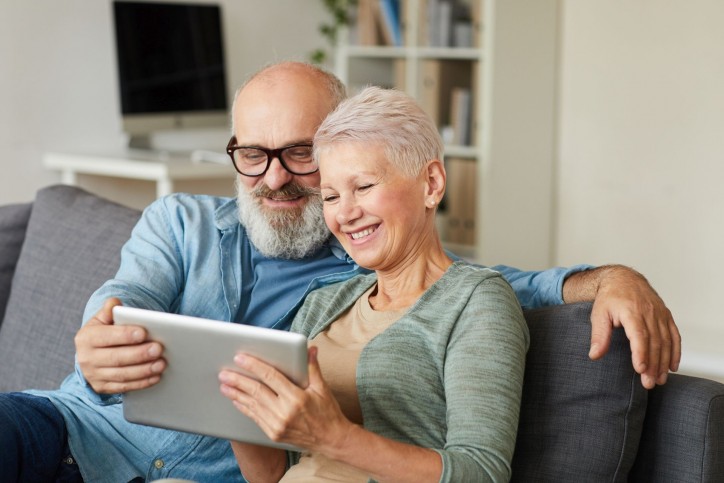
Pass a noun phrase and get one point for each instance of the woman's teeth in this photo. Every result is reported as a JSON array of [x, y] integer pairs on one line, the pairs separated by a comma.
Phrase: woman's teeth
[[360, 234]]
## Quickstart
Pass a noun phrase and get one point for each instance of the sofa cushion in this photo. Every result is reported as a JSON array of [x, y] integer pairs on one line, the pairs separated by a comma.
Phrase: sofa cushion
[[72, 246], [581, 420], [13, 222]]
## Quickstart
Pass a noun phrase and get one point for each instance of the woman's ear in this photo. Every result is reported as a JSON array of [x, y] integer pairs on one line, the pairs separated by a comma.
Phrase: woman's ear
[[434, 182]]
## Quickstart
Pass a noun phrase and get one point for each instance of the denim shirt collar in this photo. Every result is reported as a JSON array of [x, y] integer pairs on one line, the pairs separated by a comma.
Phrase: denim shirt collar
[[226, 216]]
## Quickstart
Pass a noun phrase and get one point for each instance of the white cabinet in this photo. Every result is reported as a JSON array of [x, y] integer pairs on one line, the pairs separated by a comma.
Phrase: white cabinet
[[510, 74], [197, 172]]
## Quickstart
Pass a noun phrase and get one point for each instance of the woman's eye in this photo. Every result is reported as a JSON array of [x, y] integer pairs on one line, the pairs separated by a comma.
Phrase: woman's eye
[[365, 187], [329, 198]]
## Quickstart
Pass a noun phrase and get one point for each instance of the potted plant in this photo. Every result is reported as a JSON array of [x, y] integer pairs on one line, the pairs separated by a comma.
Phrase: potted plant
[[339, 12]]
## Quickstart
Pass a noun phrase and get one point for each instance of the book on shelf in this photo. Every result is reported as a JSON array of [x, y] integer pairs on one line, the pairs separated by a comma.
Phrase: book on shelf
[[460, 115], [378, 22], [437, 80], [400, 74], [446, 23], [389, 22], [366, 26], [442, 21], [460, 200], [429, 89]]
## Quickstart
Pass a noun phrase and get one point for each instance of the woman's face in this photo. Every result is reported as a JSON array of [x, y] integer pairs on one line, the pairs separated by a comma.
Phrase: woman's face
[[374, 210]]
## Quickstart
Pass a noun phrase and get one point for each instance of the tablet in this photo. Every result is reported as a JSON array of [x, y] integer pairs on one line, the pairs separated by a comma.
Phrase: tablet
[[188, 397]]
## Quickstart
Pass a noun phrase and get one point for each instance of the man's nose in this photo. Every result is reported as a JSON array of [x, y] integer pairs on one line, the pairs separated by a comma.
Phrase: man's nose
[[277, 176]]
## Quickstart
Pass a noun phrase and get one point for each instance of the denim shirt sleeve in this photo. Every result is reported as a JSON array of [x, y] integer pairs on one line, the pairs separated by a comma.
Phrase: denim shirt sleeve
[[151, 255], [538, 288]]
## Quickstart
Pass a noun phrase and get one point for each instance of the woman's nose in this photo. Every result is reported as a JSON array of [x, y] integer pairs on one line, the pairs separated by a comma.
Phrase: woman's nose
[[348, 211]]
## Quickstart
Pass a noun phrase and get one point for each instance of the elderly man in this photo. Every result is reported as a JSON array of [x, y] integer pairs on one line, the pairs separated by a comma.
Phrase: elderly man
[[249, 260]]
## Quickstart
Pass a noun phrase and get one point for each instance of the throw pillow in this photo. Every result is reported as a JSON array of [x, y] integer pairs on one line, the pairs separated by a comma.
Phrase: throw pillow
[[581, 420]]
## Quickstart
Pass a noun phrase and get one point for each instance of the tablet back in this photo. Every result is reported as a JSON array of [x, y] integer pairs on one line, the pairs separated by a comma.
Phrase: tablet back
[[188, 397]]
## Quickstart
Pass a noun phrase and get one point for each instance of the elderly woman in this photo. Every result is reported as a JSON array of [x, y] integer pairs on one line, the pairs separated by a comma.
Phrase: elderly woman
[[416, 370]]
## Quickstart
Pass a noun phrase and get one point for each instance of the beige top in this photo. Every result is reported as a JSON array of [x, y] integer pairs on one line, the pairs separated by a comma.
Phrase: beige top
[[339, 349]]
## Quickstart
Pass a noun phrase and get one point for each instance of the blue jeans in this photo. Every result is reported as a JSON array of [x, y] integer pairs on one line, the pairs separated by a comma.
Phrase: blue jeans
[[34, 441]]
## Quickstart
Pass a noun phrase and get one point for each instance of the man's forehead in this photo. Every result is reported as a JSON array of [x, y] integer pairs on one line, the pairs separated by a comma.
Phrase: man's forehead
[[281, 123], [276, 132], [278, 110]]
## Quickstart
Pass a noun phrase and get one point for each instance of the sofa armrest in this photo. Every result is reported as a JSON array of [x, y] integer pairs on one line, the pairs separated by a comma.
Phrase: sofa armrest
[[13, 224], [683, 437]]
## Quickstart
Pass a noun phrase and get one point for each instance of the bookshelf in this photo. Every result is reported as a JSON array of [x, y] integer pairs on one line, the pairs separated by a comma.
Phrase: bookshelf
[[499, 73]]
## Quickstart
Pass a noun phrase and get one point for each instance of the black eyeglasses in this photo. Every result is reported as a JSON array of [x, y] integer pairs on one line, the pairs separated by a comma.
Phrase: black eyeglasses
[[255, 161]]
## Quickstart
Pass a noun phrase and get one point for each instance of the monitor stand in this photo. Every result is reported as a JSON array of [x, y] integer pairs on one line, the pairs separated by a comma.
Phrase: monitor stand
[[139, 141]]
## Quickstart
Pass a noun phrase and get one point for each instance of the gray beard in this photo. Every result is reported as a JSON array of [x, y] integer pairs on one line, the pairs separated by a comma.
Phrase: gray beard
[[283, 233]]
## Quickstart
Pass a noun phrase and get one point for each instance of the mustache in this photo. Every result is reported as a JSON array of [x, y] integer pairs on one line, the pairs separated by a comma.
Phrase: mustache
[[291, 190]]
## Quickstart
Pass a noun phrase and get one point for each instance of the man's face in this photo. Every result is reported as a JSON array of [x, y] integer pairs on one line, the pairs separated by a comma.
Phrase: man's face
[[280, 210]]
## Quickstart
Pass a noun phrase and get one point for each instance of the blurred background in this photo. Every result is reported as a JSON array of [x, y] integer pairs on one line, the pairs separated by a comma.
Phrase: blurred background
[[639, 154]]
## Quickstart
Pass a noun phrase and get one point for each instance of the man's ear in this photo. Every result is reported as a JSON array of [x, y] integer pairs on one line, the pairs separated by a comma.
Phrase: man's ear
[[435, 181]]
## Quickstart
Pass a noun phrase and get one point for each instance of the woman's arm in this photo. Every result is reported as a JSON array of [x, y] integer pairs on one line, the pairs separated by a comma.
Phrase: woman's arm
[[259, 463], [484, 369]]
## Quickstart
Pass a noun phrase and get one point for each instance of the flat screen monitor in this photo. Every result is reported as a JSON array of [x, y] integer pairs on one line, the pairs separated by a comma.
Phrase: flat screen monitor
[[171, 67]]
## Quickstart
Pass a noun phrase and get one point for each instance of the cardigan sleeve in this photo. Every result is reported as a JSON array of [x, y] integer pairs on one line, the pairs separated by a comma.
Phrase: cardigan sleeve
[[483, 380]]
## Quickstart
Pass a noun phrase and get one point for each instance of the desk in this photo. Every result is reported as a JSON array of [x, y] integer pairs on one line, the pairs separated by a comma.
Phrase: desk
[[161, 167]]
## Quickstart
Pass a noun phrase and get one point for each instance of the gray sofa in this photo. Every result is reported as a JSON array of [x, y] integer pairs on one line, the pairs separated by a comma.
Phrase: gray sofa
[[580, 420]]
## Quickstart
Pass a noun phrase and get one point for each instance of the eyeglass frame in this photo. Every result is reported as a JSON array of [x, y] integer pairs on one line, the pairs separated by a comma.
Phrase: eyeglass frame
[[270, 155]]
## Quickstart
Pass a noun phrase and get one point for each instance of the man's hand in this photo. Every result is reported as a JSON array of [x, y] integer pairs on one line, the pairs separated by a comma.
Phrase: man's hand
[[115, 359], [622, 297]]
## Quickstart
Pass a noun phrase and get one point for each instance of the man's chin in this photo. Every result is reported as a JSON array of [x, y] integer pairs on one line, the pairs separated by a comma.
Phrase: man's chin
[[283, 230], [279, 216]]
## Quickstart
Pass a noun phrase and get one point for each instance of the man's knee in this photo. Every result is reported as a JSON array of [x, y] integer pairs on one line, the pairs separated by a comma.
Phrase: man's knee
[[33, 436], [24, 413]]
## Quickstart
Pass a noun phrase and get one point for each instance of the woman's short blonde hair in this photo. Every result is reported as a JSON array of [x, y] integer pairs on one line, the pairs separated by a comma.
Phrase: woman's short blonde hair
[[388, 118]]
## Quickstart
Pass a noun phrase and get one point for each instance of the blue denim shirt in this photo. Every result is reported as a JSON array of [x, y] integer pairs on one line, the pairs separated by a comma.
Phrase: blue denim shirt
[[187, 255]]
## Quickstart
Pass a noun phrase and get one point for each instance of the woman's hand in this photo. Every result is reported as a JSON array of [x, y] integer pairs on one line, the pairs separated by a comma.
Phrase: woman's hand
[[309, 417]]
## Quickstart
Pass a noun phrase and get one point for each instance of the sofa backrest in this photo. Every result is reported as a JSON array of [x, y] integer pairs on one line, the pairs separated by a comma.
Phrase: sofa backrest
[[72, 245]]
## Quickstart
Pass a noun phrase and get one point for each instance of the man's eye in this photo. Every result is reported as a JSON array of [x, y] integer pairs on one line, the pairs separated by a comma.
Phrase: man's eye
[[252, 156], [300, 153]]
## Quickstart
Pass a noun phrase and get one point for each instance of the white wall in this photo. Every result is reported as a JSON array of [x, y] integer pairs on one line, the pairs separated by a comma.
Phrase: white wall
[[641, 153], [58, 88]]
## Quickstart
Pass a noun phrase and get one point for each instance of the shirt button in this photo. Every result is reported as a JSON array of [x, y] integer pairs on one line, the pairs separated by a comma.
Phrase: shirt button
[[158, 464]]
